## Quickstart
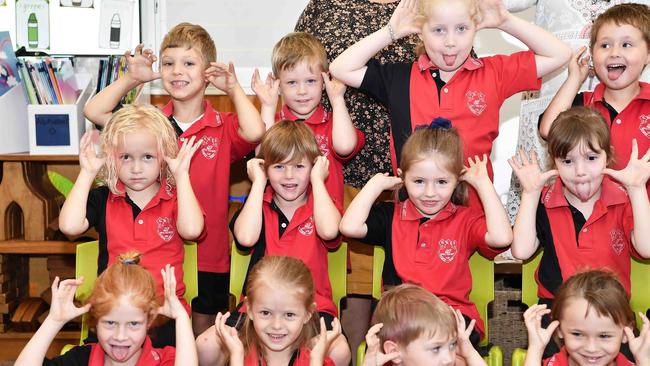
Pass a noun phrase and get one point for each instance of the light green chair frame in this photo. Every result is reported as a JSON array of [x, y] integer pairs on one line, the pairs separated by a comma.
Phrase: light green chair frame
[[337, 268], [482, 294], [86, 266]]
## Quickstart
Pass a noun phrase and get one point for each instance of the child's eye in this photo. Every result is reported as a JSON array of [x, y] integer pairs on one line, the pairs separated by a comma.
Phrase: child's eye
[[278, 166], [290, 315], [442, 181], [627, 44], [592, 157], [604, 45], [291, 82], [300, 166], [576, 334], [461, 28], [125, 157], [167, 63], [312, 81], [566, 161], [605, 336], [418, 181], [190, 63], [265, 312], [134, 324], [149, 157], [438, 30], [453, 345], [435, 349]]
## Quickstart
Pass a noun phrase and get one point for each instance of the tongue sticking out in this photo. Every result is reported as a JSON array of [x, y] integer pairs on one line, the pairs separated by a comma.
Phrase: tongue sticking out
[[449, 60], [120, 352], [583, 191], [614, 72]]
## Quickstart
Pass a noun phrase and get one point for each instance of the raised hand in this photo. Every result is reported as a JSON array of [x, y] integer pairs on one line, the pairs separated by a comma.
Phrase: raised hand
[[579, 64], [320, 170], [386, 182], [267, 91], [88, 158], [528, 172], [465, 348], [493, 14], [222, 76], [640, 346], [255, 170], [403, 19], [62, 308], [181, 163], [323, 341], [228, 337], [172, 307], [335, 88], [374, 355], [538, 337], [476, 172], [139, 65], [637, 171]]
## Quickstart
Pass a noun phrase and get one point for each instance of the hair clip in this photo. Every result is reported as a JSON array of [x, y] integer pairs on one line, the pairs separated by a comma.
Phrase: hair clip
[[129, 261], [438, 122]]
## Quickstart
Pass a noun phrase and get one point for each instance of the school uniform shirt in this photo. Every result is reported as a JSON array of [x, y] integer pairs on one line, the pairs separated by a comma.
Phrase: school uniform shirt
[[210, 177], [631, 122], [432, 253], [299, 358], [93, 355], [562, 359], [471, 99], [572, 243], [123, 227], [294, 238], [320, 123]]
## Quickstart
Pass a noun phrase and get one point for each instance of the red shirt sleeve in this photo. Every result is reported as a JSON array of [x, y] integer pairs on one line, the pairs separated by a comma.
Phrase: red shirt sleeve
[[239, 147]]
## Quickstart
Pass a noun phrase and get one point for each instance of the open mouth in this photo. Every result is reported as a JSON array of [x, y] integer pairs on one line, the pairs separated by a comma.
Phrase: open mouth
[[179, 84], [276, 338], [449, 59], [120, 352], [614, 71], [289, 187], [592, 359]]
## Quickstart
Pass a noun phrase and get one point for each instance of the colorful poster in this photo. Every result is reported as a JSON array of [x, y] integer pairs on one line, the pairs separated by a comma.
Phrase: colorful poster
[[115, 21], [33, 24], [9, 76]]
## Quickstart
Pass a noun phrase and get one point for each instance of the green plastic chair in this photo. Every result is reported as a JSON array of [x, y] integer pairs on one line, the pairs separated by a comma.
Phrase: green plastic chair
[[337, 268], [86, 266], [482, 294]]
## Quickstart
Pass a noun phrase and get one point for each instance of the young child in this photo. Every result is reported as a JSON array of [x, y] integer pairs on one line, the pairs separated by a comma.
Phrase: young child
[[447, 80], [429, 236], [187, 65], [592, 316], [294, 214], [300, 66], [282, 320], [620, 50], [584, 219], [412, 327], [122, 306], [146, 202]]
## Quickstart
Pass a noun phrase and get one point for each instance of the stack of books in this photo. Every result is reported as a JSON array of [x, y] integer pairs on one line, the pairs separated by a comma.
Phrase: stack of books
[[110, 69], [47, 80]]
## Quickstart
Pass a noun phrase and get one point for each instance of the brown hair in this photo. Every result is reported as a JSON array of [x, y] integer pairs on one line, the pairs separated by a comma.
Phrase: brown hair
[[603, 292], [636, 15], [123, 278], [579, 125], [293, 277], [190, 35], [409, 311], [426, 7], [296, 47], [288, 140], [442, 144], [131, 118]]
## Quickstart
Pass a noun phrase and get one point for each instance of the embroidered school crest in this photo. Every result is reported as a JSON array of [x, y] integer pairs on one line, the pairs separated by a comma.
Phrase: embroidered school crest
[[323, 144], [210, 146], [307, 227], [476, 102], [447, 250], [617, 240], [165, 228], [644, 125]]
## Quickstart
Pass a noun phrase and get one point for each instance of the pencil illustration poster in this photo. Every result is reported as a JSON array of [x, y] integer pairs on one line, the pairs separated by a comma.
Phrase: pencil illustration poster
[[115, 22], [33, 24]]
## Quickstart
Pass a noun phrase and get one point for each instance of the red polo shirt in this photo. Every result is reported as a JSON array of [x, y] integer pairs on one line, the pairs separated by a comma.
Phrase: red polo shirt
[[94, 355], [471, 99], [320, 123], [210, 177], [562, 359], [603, 242], [153, 233], [631, 122], [300, 240], [300, 358]]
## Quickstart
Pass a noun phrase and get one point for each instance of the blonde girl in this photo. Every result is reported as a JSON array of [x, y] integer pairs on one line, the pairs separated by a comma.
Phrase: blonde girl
[[429, 236], [122, 306], [146, 202]]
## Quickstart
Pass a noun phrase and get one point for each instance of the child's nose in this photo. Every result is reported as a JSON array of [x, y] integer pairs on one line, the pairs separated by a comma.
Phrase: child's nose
[[447, 357], [450, 40], [288, 172], [120, 334]]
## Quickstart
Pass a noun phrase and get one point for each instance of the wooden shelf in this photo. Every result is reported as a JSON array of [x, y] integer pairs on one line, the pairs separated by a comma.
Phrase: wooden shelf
[[37, 247], [28, 157], [13, 342]]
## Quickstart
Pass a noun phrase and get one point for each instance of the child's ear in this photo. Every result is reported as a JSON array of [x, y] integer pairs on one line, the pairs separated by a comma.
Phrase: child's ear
[[390, 347], [310, 311], [249, 309]]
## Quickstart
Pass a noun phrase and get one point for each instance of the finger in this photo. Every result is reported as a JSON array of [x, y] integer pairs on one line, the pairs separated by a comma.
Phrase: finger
[[635, 150], [629, 333], [550, 174], [553, 326], [336, 327]]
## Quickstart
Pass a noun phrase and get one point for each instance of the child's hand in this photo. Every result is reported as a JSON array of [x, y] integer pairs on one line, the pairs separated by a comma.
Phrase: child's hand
[[267, 92], [335, 88], [255, 170], [579, 64], [476, 172], [386, 182], [493, 14], [229, 337], [465, 348], [172, 308], [181, 163], [374, 355], [403, 19], [222, 76], [62, 308], [320, 170], [640, 346], [538, 337], [323, 342], [88, 159], [528, 172], [139, 65], [637, 171]]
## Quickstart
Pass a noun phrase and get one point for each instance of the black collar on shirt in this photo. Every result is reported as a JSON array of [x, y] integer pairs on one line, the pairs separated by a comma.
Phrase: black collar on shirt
[[177, 128], [578, 221]]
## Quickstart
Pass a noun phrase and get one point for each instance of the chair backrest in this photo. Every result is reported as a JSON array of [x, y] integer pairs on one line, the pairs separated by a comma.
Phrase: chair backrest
[[528, 283], [640, 288], [482, 283], [86, 266], [337, 262]]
